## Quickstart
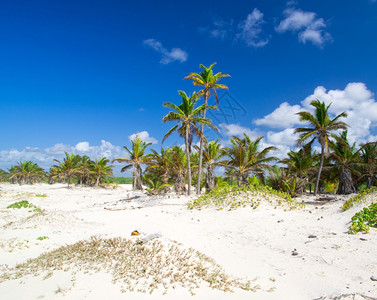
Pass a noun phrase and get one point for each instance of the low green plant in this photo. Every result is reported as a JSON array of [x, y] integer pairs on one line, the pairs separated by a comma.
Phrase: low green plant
[[41, 238], [359, 198], [40, 195], [232, 196], [24, 204], [363, 220]]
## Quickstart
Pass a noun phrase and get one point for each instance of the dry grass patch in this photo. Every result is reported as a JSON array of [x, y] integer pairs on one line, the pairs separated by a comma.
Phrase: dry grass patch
[[138, 267]]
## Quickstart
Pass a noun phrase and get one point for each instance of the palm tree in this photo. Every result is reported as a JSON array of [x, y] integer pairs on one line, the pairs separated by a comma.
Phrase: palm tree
[[212, 152], [187, 117], [320, 128], [69, 166], [137, 158], [346, 159], [369, 162], [83, 171], [209, 82], [300, 164], [26, 172], [244, 158], [100, 169]]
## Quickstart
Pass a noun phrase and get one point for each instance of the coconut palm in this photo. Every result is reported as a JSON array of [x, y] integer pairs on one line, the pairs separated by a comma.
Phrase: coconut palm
[[300, 164], [83, 171], [321, 126], [209, 82], [368, 162], [177, 164], [345, 159], [245, 158], [69, 166], [99, 169], [26, 172], [212, 152], [188, 118], [137, 158]]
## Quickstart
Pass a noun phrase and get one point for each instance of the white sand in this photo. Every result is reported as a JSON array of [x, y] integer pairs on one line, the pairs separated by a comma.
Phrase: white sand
[[254, 244]]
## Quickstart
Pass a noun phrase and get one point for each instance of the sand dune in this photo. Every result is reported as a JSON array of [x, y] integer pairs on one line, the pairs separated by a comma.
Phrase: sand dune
[[278, 253]]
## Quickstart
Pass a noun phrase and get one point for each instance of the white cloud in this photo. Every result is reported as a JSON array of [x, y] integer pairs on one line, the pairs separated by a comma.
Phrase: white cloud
[[45, 157], [237, 130], [282, 117], [286, 137], [144, 136], [356, 100], [251, 29], [82, 146], [310, 28], [175, 54]]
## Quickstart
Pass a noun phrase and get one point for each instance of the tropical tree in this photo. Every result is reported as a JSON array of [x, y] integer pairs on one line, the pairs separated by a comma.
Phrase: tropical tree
[[137, 158], [99, 169], [211, 154], [209, 83], [188, 118], [245, 158], [83, 171], [346, 159], [69, 166], [300, 165], [368, 162], [26, 172], [321, 126]]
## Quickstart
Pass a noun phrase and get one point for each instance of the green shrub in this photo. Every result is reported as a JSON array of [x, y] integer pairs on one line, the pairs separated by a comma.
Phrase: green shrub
[[41, 238], [232, 196], [359, 198], [24, 204], [363, 220]]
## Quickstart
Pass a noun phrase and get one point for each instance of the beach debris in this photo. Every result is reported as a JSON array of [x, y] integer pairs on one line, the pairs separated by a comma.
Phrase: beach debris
[[149, 237], [279, 221], [135, 232], [294, 252], [312, 236], [373, 278], [362, 239]]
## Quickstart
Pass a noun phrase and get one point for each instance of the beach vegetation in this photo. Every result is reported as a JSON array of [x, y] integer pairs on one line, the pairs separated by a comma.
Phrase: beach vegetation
[[363, 220]]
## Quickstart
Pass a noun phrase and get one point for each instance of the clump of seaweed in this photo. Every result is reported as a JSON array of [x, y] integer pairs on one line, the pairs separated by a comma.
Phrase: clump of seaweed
[[138, 267]]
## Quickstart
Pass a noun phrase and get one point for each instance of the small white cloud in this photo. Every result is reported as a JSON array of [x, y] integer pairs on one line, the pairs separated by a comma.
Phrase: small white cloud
[[82, 146], [310, 28], [237, 130], [175, 54], [251, 30], [144, 136], [286, 137], [282, 117]]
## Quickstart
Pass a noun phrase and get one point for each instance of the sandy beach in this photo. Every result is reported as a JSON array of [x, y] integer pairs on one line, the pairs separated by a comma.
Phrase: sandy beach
[[305, 253]]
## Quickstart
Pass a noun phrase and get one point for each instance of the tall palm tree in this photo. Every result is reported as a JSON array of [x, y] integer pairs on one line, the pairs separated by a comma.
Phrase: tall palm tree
[[26, 172], [83, 171], [69, 166], [137, 158], [245, 158], [212, 152], [209, 82], [188, 117], [100, 169], [321, 126], [177, 164]]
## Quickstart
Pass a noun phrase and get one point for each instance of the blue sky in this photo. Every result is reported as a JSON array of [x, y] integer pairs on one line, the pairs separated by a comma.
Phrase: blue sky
[[85, 76]]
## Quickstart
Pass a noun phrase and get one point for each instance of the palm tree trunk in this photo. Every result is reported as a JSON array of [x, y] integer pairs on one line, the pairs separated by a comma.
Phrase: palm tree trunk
[[97, 180], [345, 182], [135, 176], [210, 180], [319, 170], [188, 163], [198, 187]]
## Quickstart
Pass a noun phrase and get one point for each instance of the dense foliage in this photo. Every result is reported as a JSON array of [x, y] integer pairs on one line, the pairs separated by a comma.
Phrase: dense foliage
[[363, 220]]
